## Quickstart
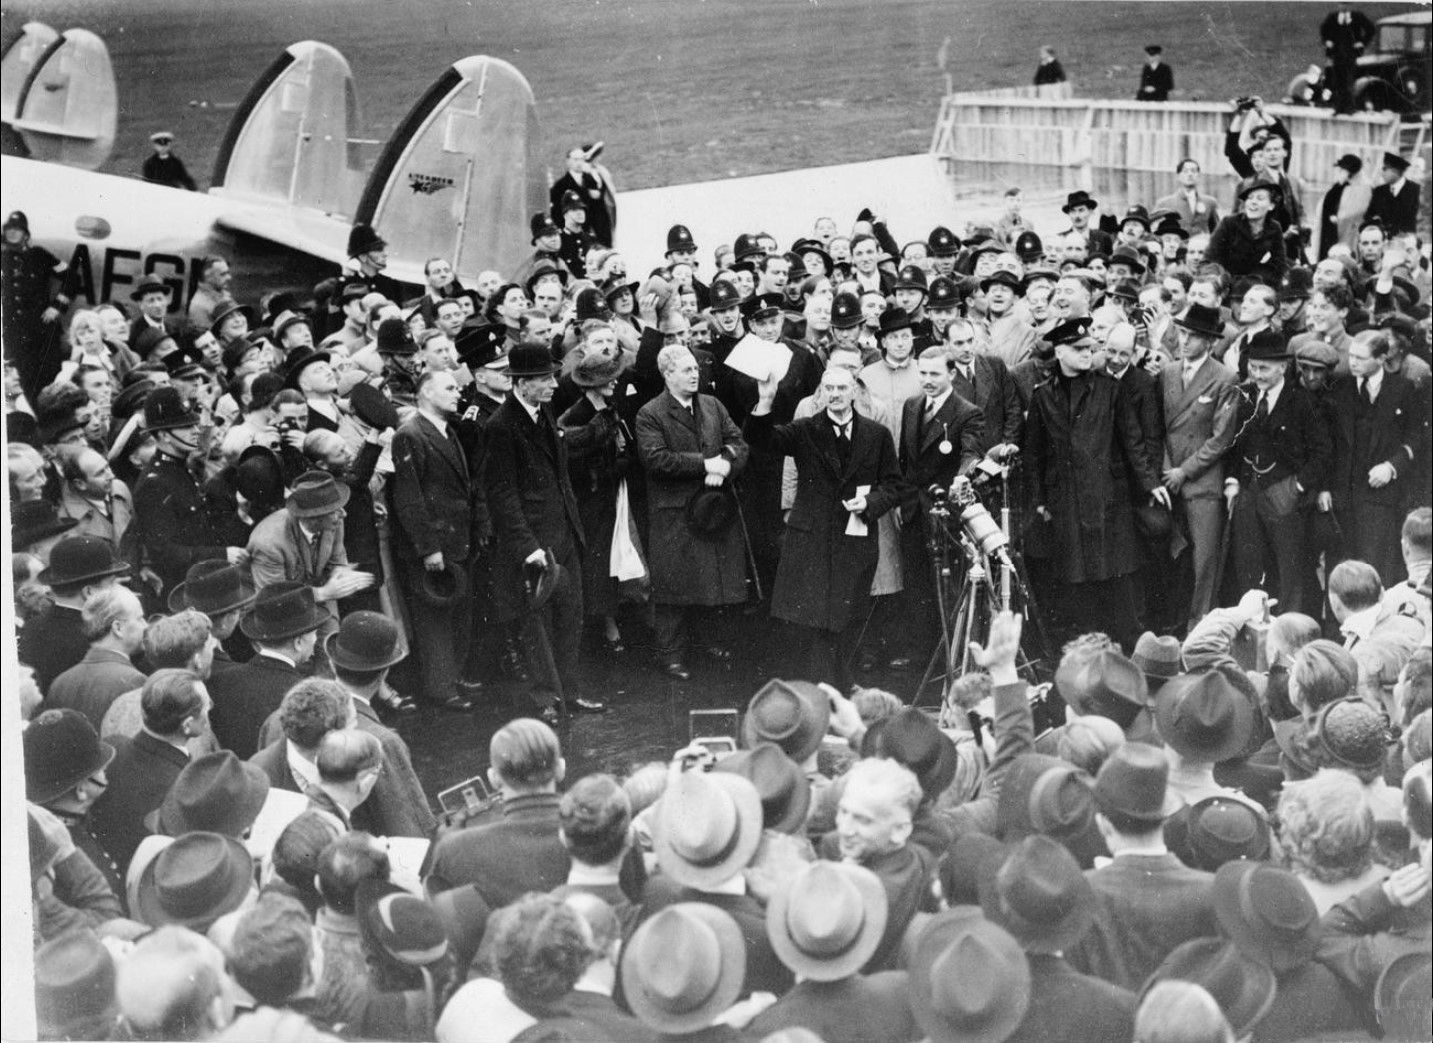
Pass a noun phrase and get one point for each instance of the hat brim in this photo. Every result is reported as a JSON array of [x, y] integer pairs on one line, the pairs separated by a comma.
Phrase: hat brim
[[553, 576], [1014, 284], [139, 292], [242, 810], [442, 597], [1236, 739], [722, 996], [152, 912], [1092, 204], [178, 600], [252, 627], [1257, 985], [341, 492], [738, 855], [40, 794], [810, 732], [25, 537], [932, 942], [48, 577], [1248, 937], [218, 320], [815, 968], [340, 658]]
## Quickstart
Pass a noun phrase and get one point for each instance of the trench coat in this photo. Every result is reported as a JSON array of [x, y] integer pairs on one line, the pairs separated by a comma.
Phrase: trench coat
[[673, 445], [1082, 443], [824, 577]]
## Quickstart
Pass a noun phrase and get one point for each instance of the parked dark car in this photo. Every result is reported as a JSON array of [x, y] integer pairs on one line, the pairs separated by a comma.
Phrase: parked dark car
[[1393, 72]]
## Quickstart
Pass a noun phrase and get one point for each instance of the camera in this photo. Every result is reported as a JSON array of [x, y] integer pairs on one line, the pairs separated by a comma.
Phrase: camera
[[713, 730]]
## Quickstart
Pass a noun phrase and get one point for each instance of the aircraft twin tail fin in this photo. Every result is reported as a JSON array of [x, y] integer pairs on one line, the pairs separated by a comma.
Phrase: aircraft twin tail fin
[[57, 91]]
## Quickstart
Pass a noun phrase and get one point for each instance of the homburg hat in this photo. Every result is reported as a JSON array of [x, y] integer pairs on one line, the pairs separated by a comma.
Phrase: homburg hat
[[213, 587], [282, 611]]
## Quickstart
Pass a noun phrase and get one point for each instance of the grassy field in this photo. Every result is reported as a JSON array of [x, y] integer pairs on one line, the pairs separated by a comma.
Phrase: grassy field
[[681, 90]]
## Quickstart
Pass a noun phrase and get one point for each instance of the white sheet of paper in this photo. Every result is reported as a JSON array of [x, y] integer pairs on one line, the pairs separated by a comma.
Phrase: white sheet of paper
[[855, 524], [405, 859], [280, 808], [759, 359]]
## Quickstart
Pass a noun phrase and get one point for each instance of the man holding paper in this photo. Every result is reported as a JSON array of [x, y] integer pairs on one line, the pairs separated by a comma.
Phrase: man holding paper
[[847, 477]]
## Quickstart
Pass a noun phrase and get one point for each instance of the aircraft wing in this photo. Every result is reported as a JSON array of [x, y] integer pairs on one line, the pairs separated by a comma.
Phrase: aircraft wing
[[312, 232]]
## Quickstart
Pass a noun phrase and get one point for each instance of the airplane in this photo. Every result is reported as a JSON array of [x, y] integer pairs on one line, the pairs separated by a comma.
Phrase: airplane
[[458, 179]]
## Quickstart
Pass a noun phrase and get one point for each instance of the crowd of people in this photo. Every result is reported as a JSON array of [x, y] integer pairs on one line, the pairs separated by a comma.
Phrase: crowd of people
[[233, 520]]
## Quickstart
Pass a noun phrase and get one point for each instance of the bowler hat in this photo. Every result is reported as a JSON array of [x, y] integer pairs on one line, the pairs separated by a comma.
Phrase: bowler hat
[[1133, 782], [943, 242], [1267, 913], [1038, 893], [74, 987], [213, 587], [1203, 717], [543, 225], [363, 239], [259, 476], [969, 979], [1170, 225], [81, 559], [365, 641], [1079, 198], [1349, 733], [1215, 831], [1127, 256], [911, 277], [443, 587], [216, 792], [1267, 345], [724, 294], [1201, 319], [36, 520], [1395, 161], [707, 828], [372, 406], [165, 410], [912, 738], [943, 296], [804, 247], [483, 344], [399, 925], [217, 319], [894, 319], [1317, 353], [301, 359], [782, 785], [316, 494], [791, 714], [149, 284], [395, 337], [683, 967], [1071, 331], [828, 920], [194, 881], [1003, 278], [679, 238], [541, 580], [62, 749], [282, 611], [1401, 996], [846, 310], [1243, 987], [1107, 684], [530, 360], [1138, 214], [710, 512]]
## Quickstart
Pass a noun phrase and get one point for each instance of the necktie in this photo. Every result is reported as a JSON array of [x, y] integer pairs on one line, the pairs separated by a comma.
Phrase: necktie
[[1261, 412], [1363, 395], [1188, 375]]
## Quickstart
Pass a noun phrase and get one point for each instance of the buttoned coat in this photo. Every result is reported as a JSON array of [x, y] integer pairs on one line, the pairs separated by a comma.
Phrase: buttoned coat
[[173, 520], [1393, 436], [958, 426], [1003, 419], [673, 445], [824, 578], [1199, 425], [1082, 444], [432, 492], [530, 500]]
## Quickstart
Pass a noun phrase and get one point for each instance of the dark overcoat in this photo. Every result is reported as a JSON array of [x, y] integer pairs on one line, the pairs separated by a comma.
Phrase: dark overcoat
[[601, 452], [673, 445], [1237, 248], [432, 492], [172, 515], [1082, 441], [824, 579], [530, 499]]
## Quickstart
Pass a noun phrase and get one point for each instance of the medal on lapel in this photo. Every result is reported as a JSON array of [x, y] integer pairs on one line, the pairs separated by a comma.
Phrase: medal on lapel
[[945, 447]]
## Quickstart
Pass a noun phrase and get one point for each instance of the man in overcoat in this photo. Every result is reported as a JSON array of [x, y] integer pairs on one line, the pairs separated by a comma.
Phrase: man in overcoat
[[691, 452], [847, 476], [1084, 444]]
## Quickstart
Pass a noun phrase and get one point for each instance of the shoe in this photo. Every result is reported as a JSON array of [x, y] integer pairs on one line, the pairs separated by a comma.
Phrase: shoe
[[395, 704], [580, 705], [613, 646], [470, 687], [900, 662], [550, 714], [717, 652], [676, 671], [456, 704]]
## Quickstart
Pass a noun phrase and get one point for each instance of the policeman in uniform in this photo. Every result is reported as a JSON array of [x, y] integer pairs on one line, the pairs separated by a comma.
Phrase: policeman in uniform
[[31, 311], [174, 523]]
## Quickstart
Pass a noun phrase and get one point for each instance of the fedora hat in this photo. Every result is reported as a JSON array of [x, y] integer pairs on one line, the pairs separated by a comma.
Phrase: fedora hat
[[1038, 893], [213, 587], [259, 476], [194, 881], [707, 827], [372, 406], [894, 319], [1401, 996], [1134, 782], [1002, 277], [1158, 657], [1201, 319], [969, 979], [216, 792], [1079, 198], [1107, 684], [1217, 831], [316, 494], [76, 560], [62, 749], [443, 587], [282, 611], [541, 270], [1243, 987], [36, 520], [1267, 913], [541, 580], [710, 512], [300, 359], [683, 967], [972, 858], [912, 738], [365, 641], [782, 786], [679, 237], [150, 284], [74, 987], [165, 409], [792, 714], [1127, 256], [1203, 717], [363, 239], [828, 920], [530, 360]]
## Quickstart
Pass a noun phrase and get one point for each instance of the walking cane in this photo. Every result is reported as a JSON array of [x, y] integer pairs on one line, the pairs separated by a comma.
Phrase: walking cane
[[746, 543]]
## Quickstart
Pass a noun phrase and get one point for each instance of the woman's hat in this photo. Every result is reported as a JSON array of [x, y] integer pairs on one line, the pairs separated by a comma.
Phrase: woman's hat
[[223, 313], [594, 369], [194, 881], [828, 920], [683, 967], [282, 611], [969, 979], [213, 587], [707, 827]]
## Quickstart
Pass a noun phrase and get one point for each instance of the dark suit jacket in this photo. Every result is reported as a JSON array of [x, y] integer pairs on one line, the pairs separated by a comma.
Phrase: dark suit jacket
[[1073, 1007], [857, 1009], [530, 497], [1398, 213], [958, 423], [143, 770], [432, 492], [1393, 436], [273, 758], [1148, 905], [52, 642], [998, 399], [1143, 391], [243, 699], [1295, 441], [505, 859]]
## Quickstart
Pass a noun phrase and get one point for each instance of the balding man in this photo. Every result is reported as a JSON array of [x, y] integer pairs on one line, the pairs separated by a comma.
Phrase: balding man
[[113, 622], [99, 502]]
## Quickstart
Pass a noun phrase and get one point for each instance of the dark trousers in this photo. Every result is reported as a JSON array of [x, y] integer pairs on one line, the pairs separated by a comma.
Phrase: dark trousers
[[826, 655], [552, 636], [439, 635], [1105, 605], [673, 623], [917, 622], [1268, 539], [1372, 533]]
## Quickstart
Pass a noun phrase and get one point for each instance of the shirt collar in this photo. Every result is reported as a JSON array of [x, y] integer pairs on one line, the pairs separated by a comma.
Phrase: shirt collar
[[1152, 851], [531, 411], [1360, 624], [592, 876], [304, 771], [935, 404], [1272, 395], [1191, 368], [1374, 382], [279, 656]]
